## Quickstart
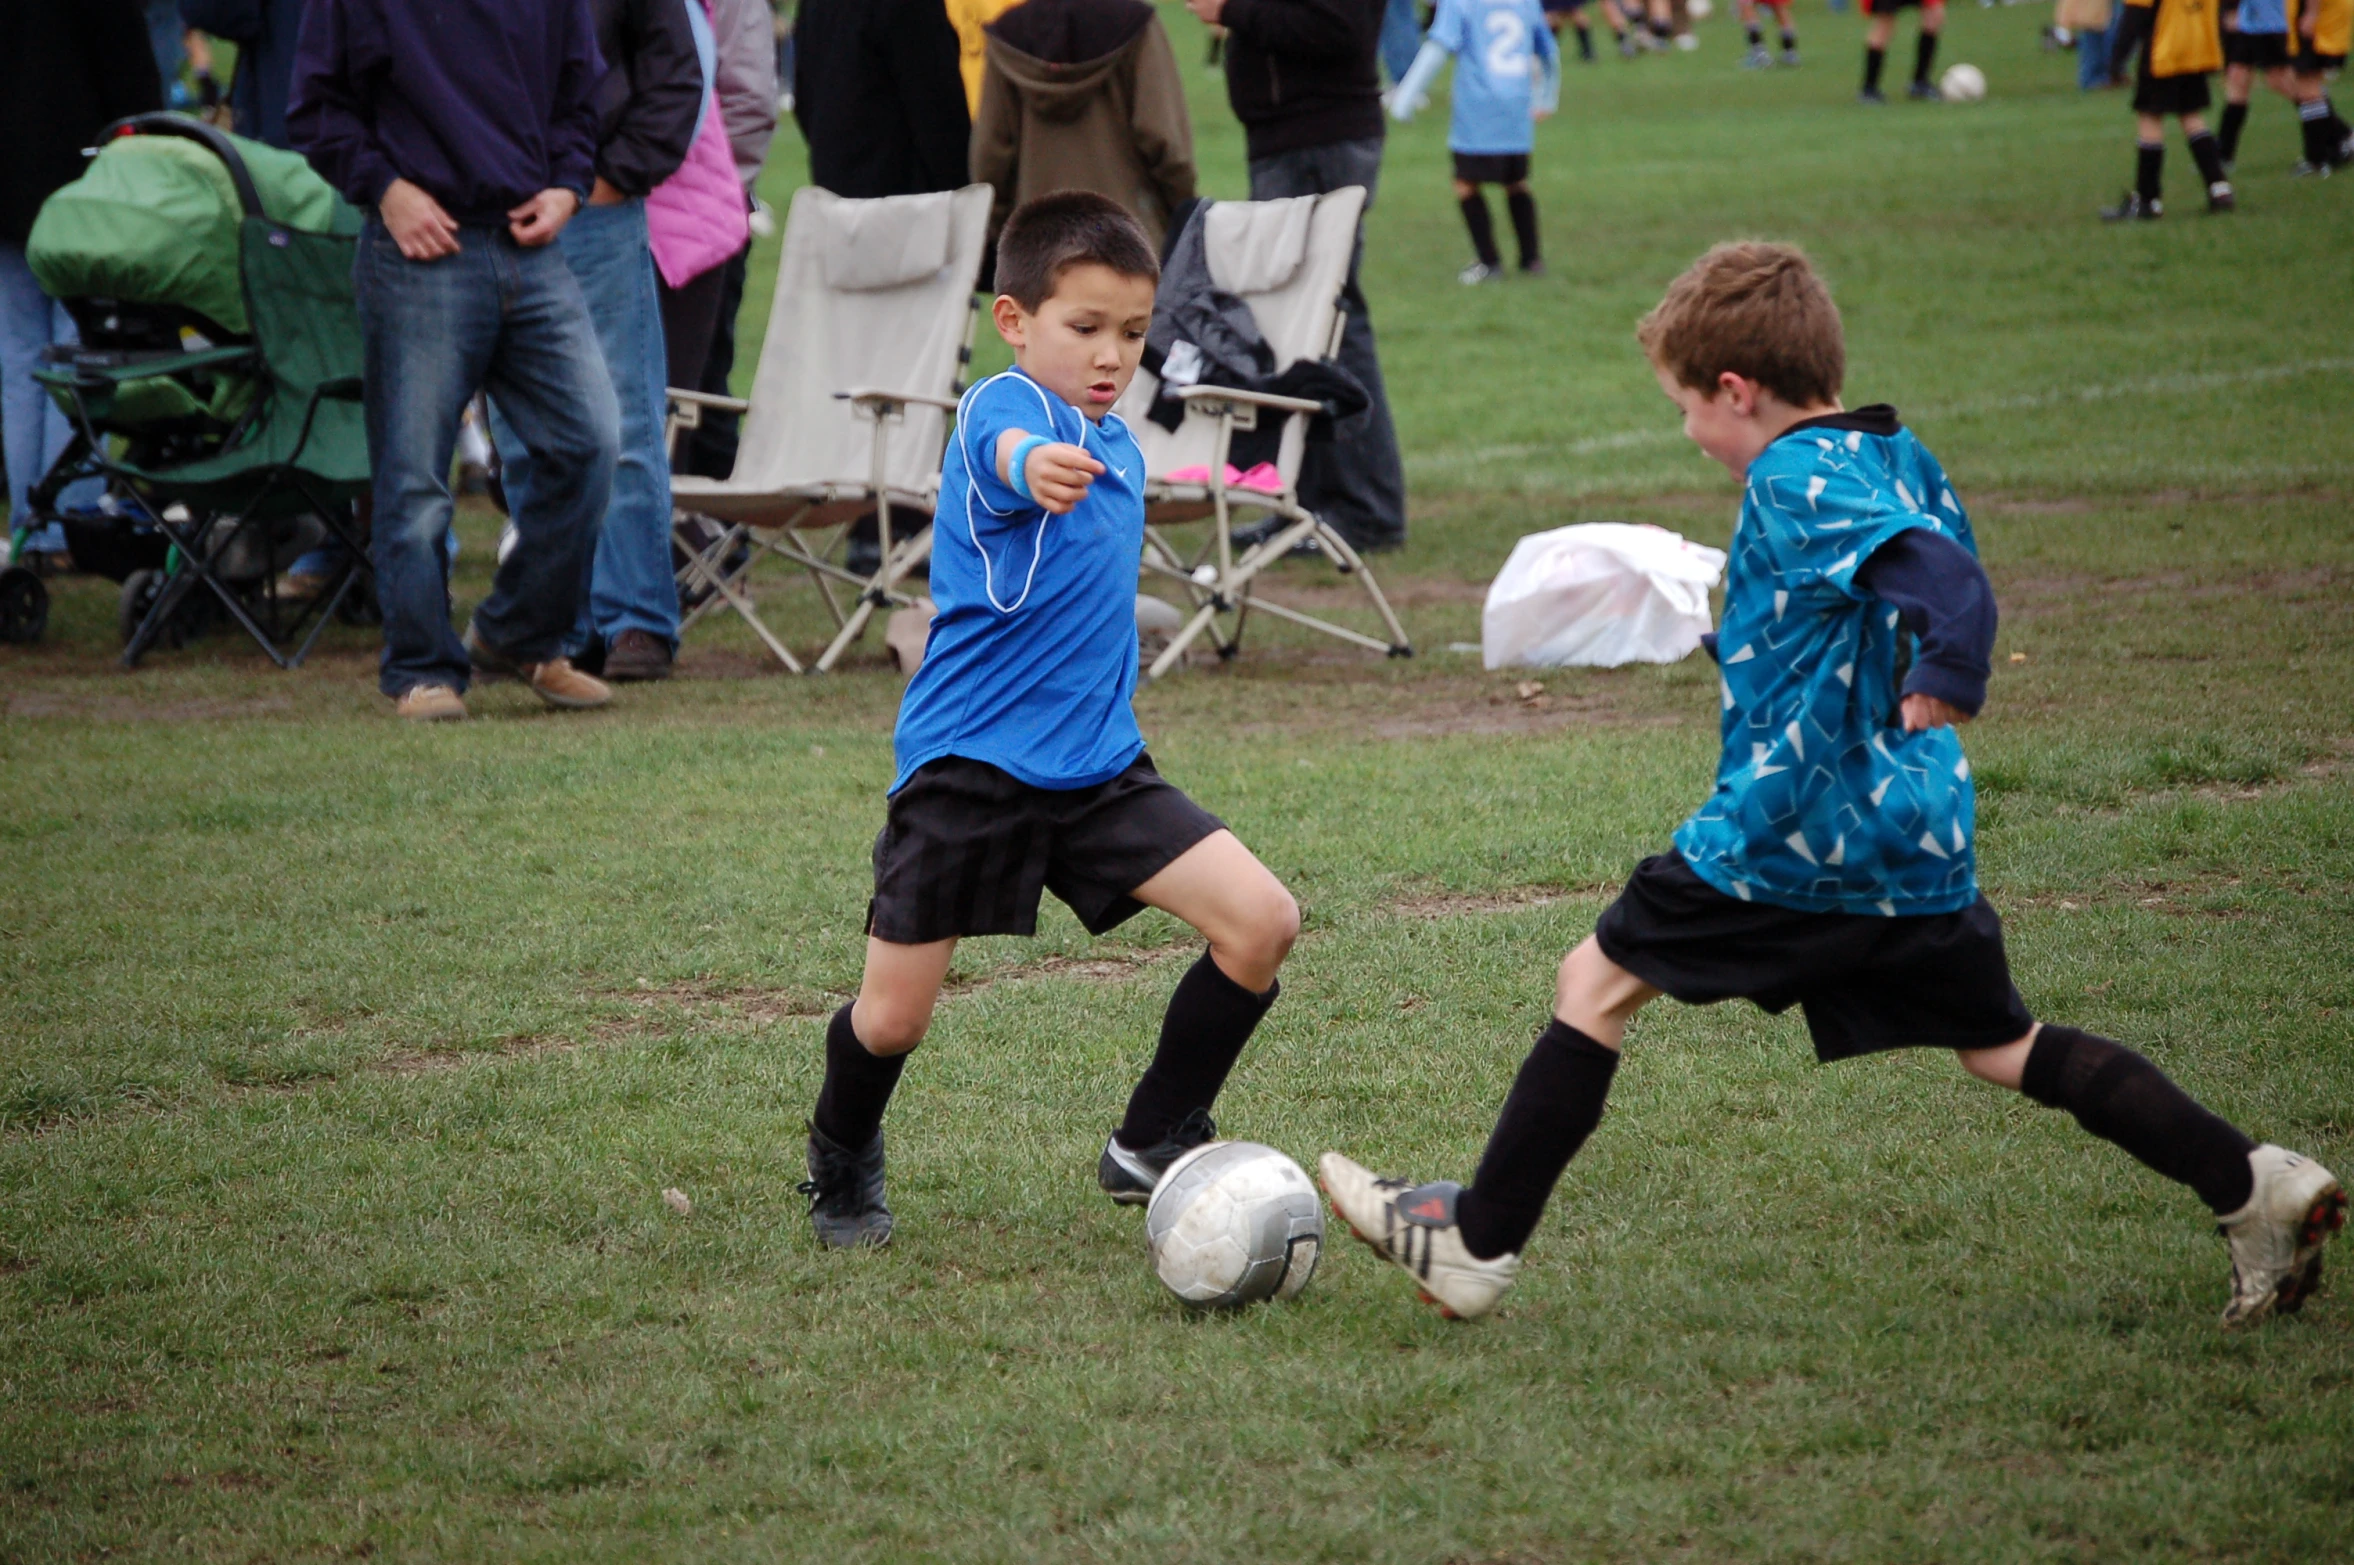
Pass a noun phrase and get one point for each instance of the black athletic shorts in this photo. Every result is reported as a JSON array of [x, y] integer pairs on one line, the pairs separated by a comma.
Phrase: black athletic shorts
[[1491, 168], [1891, 7], [1866, 983], [2168, 94], [967, 848], [2308, 62], [2258, 51]]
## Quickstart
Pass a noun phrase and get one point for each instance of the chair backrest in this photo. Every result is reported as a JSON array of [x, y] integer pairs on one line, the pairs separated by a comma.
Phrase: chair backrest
[[298, 293], [868, 294], [1287, 260]]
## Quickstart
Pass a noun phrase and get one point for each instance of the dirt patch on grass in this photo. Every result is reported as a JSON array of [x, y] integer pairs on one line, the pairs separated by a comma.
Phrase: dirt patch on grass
[[1471, 904], [2033, 590], [1097, 967], [94, 707]]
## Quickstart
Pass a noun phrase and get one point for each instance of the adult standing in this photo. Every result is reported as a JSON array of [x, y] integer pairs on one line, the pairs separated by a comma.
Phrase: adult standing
[[1302, 78], [469, 136], [67, 71], [648, 101], [264, 32], [881, 102]]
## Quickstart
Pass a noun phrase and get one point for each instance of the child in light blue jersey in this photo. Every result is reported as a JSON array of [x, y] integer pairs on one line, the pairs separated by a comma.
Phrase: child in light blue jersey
[[1020, 767], [1507, 76], [1831, 866]]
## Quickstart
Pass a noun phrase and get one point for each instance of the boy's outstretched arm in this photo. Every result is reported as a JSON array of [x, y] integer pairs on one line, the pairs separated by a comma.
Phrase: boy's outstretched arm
[[1413, 88], [1941, 593], [1053, 473]]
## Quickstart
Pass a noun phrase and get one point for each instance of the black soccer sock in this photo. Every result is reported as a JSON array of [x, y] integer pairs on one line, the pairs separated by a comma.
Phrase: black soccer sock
[[1585, 41], [2121, 1097], [1209, 1019], [2148, 164], [2235, 120], [1756, 36], [1483, 229], [2313, 120], [857, 1087], [1789, 41], [2209, 157], [1924, 56], [1522, 204], [1874, 60], [1555, 1103]]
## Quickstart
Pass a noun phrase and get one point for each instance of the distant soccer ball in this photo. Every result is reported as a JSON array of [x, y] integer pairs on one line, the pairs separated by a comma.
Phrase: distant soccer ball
[[1234, 1222], [1698, 9], [1962, 84]]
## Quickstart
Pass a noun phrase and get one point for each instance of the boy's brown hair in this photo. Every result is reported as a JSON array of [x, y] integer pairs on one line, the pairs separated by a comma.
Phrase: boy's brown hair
[[1050, 234], [1757, 310]]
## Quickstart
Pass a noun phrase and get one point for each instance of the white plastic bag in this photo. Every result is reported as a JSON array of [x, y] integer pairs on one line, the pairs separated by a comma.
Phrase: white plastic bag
[[1598, 595]]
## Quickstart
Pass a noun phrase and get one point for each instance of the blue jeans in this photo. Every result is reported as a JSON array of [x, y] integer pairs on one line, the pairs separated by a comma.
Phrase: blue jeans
[[2092, 58], [1401, 39], [630, 586], [512, 321], [1357, 481], [34, 431]]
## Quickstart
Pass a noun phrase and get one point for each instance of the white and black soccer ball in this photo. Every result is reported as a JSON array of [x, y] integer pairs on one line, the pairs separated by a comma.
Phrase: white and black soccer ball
[[1962, 84], [1232, 1223]]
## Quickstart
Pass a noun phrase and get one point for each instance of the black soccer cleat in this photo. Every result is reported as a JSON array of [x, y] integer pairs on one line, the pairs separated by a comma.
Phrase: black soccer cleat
[[1924, 92], [845, 1191], [1128, 1175], [2220, 198], [2133, 207], [1871, 95]]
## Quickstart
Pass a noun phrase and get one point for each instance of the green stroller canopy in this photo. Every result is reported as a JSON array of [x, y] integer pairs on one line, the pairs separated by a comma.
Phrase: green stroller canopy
[[154, 220]]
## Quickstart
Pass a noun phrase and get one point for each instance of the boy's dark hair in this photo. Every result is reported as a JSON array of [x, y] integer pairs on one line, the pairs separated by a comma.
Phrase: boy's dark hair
[[1048, 236], [1757, 310]]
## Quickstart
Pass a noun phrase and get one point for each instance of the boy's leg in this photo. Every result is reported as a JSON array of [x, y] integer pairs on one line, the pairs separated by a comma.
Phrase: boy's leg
[[1522, 204], [867, 1044], [2276, 1209], [1925, 48], [1474, 205], [2238, 84], [2208, 155], [1876, 36], [1463, 1244], [1221, 889]]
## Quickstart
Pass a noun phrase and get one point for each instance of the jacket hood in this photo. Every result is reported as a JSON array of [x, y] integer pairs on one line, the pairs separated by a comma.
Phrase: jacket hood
[[1059, 51]]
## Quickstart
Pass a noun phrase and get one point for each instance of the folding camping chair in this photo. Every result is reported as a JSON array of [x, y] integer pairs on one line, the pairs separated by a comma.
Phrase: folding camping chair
[[1290, 273], [849, 412], [233, 453]]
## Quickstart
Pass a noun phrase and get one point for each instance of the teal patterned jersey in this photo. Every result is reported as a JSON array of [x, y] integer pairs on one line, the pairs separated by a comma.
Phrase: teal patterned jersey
[[1823, 802]]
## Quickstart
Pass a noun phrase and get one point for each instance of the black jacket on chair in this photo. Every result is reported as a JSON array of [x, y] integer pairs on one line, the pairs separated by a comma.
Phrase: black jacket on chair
[[879, 96], [68, 69]]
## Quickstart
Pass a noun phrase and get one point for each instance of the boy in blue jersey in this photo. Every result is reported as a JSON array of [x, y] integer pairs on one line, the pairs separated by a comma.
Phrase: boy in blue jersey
[[1498, 96], [1021, 769], [1831, 868]]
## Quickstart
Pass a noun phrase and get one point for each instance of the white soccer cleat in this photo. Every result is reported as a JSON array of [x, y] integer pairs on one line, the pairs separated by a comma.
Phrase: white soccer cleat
[[1414, 1226], [2276, 1238]]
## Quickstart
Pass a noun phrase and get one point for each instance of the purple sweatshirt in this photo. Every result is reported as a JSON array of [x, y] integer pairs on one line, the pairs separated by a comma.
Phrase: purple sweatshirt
[[484, 103]]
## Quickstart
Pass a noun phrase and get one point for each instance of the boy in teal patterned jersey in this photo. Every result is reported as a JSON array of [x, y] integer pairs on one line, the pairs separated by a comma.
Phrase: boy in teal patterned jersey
[[1831, 868]]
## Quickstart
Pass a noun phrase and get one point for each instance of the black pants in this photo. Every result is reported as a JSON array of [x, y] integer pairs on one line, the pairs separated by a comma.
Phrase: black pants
[[1357, 481]]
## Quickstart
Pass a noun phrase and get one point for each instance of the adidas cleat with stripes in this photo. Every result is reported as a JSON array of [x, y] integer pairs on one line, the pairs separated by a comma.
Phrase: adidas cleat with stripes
[[1413, 1226], [2276, 1238]]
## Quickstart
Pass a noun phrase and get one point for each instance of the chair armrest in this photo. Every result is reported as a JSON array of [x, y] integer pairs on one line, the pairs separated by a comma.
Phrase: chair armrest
[[705, 399], [1259, 399], [871, 398], [71, 371]]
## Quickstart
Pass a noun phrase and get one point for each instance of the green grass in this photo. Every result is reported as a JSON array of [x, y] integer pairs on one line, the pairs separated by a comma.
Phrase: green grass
[[343, 1065]]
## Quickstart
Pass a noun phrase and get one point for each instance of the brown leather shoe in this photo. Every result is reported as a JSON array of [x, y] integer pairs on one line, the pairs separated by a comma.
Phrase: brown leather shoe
[[559, 684], [636, 655], [430, 704]]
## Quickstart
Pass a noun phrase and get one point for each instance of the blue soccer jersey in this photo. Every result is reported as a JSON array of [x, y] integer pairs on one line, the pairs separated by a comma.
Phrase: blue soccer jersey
[[1494, 43], [1031, 664], [1823, 802]]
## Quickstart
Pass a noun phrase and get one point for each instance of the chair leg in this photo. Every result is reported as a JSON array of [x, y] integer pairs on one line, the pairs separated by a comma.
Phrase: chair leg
[[905, 556]]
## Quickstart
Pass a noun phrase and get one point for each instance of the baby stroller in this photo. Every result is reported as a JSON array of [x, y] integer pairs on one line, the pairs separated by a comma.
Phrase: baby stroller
[[216, 388]]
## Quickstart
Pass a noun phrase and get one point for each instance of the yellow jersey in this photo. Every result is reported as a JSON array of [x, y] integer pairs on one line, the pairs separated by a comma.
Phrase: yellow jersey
[[2332, 31], [968, 17], [2185, 37]]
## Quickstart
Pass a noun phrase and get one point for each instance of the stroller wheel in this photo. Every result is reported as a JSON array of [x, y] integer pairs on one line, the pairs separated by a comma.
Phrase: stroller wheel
[[24, 606]]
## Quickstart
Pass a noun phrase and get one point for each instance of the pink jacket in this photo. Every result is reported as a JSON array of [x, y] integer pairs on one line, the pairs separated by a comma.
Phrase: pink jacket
[[696, 218]]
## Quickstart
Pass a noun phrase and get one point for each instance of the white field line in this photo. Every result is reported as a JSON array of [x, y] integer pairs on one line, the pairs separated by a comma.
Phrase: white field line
[[2151, 385]]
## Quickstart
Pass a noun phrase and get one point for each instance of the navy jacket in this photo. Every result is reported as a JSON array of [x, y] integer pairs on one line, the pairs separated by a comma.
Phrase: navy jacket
[[484, 103], [67, 71]]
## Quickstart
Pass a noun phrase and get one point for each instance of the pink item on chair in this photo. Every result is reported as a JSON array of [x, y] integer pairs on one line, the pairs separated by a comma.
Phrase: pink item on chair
[[1264, 478]]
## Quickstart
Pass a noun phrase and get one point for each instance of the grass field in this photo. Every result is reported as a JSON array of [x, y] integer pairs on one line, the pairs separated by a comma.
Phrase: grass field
[[343, 1065]]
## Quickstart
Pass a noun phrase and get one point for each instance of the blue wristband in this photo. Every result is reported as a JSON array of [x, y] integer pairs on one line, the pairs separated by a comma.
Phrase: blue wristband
[[1017, 475]]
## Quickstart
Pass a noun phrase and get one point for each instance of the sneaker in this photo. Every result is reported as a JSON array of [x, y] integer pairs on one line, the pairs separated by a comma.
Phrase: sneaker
[[564, 687], [2132, 208], [302, 586], [1924, 92], [2220, 198], [430, 704], [1628, 49], [1535, 268], [1129, 1177], [1479, 272], [637, 655], [1414, 1226], [1789, 56], [1757, 59], [2276, 1238], [2306, 168], [1872, 95], [1687, 41], [845, 1191]]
